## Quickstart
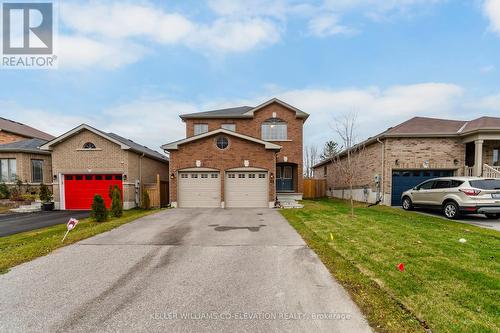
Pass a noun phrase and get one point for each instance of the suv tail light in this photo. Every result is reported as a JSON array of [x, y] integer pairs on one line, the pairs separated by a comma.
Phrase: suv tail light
[[470, 192]]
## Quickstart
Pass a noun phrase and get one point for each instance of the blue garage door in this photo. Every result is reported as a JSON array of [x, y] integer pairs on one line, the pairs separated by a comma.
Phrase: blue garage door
[[403, 180]]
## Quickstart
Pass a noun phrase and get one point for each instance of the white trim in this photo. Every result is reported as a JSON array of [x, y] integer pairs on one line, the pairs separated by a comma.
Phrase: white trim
[[249, 169], [198, 170], [298, 112], [76, 130], [175, 145], [62, 196]]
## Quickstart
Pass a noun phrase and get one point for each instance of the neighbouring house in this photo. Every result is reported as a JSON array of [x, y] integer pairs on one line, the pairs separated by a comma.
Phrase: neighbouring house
[[414, 151], [20, 155], [87, 161], [238, 157]]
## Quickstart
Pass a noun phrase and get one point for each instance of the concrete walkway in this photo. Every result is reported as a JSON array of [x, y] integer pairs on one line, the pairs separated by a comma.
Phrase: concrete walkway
[[181, 271]]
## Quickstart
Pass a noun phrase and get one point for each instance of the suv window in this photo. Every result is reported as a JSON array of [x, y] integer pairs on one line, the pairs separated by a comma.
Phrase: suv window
[[426, 186], [486, 184], [456, 183], [439, 184]]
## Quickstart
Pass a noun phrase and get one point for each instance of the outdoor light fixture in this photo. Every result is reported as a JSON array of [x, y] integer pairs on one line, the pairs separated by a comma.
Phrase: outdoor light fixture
[[124, 177], [55, 177], [396, 162], [455, 161], [272, 175], [172, 175]]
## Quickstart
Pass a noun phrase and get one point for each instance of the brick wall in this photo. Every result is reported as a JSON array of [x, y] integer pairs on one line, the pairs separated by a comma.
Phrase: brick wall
[[291, 148], [210, 156], [23, 165], [488, 147], [69, 157]]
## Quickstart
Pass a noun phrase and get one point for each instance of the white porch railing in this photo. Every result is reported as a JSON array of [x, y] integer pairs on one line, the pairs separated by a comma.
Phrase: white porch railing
[[468, 171], [491, 171]]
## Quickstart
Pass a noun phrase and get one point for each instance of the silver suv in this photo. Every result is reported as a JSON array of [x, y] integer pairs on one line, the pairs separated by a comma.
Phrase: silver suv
[[456, 196]]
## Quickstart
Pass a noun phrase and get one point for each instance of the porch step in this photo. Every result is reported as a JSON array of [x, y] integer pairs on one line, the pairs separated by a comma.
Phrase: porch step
[[34, 207], [287, 204], [289, 196]]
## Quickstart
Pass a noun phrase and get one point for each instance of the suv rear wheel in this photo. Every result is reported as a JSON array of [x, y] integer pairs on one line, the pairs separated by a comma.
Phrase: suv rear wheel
[[451, 210], [407, 203]]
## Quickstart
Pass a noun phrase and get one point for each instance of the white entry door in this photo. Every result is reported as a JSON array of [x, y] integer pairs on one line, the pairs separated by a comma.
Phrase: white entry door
[[199, 189], [246, 189]]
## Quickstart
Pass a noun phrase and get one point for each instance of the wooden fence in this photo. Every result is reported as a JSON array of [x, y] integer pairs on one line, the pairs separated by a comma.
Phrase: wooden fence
[[158, 192], [314, 188]]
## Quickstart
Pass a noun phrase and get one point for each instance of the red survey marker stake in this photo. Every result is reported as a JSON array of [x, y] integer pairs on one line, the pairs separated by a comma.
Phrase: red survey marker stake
[[401, 267], [70, 226]]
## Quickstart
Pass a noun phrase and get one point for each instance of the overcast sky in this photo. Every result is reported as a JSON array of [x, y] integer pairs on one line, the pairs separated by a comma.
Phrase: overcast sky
[[133, 67]]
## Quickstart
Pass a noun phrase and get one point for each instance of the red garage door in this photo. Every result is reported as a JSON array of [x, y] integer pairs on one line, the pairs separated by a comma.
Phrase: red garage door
[[79, 190]]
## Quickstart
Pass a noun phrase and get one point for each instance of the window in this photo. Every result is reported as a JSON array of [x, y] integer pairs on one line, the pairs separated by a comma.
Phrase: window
[[8, 172], [222, 142], [89, 145], [252, 175], [98, 177], [241, 175], [204, 175], [440, 184], [456, 183], [200, 129], [88, 177], [37, 171], [262, 175], [231, 175], [325, 171], [69, 177], [109, 177], [486, 184], [184, 175], [118, 177], [78, 177], [496, 157], [229, 127], [214, 175], [194, 175], [274, 130], [426, 186]]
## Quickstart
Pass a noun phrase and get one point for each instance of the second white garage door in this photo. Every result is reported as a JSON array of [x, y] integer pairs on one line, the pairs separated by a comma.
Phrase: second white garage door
[[199, 189], [246, 189]]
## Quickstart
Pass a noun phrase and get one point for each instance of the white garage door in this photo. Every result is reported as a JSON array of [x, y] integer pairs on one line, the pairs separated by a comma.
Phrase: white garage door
[[199, 189], [246, 189]]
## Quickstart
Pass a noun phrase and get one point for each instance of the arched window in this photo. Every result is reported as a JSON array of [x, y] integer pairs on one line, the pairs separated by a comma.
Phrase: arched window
[[89, 145], [274, 129]]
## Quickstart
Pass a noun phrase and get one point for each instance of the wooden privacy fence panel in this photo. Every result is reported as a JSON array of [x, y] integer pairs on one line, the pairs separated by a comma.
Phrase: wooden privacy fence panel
[[314, 188], [158, 193]]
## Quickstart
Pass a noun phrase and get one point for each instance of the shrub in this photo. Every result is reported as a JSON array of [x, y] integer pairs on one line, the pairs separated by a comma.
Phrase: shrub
[[116, 202], [15, 194], [29, 197], [45, 194], [99, 212], [4, 191], [146, 202]]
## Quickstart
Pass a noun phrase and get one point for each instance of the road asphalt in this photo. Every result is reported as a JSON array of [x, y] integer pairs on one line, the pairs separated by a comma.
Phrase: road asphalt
[[181, 270]]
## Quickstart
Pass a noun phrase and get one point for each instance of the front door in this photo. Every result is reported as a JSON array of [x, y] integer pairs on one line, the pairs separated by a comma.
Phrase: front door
[[284, 178]]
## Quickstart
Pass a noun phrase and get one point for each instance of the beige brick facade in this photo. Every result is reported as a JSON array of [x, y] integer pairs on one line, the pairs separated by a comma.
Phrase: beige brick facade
[[68, 157], [24, 168], [206, 151], [291, 148]]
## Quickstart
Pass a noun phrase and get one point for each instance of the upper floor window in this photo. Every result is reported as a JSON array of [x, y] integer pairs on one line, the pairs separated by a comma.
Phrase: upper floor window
[[200, 129], [229, 127], [37, 171], [8, 171], [496, 157], [274, 129], [89, 145]]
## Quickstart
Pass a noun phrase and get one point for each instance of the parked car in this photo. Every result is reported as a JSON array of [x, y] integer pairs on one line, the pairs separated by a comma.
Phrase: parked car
[[456, 196]]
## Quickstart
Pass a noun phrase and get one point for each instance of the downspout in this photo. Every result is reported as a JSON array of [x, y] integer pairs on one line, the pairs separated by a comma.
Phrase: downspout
[[382, 177]]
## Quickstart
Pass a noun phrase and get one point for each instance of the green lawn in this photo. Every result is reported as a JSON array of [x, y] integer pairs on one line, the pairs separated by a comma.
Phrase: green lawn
[[26, 246], [447, 286]]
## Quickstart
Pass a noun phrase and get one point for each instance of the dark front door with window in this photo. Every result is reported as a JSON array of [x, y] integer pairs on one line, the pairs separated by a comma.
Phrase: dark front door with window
[[284, 178], [403, 180]]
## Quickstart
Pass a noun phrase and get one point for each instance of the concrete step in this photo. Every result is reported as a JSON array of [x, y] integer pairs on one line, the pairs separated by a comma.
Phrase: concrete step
[[291, 204], [289, 196], [34, 207]]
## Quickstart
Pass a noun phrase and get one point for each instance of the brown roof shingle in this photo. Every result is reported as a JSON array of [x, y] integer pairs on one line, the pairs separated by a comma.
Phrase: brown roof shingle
[[15, 127]]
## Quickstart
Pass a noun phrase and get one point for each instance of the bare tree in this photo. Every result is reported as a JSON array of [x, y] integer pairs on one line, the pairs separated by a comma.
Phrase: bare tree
[[310, 159], [349, 162]]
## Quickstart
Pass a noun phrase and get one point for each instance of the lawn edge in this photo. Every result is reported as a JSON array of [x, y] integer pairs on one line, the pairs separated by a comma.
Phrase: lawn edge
[[72, 239], [364, 291]]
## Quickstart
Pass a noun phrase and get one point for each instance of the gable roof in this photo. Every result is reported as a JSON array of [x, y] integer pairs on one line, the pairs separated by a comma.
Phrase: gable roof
[[241, 111], [432, 127], [15, 127], [175, 145], [124, 143], [24, 146]]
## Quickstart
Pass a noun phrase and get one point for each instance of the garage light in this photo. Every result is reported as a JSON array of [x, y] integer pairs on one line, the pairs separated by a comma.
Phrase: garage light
[[172, 175], [55, 177]]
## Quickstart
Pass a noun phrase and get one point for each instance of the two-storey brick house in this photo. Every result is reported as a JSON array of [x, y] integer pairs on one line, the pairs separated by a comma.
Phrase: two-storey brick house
[[238, 157]]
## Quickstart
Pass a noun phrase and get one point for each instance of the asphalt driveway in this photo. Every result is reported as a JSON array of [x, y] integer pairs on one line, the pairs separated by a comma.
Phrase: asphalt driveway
[[478, 220], [15, 223], [181, 270]]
